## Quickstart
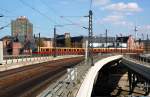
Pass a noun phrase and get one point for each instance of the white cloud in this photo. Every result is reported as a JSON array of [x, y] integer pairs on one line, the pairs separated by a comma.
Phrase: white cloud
[[123, 7], [101, 2], [113, 18], [116, 20]]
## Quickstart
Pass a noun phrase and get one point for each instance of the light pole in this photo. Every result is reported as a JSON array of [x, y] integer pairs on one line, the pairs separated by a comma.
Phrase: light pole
[[116, 42], [39, 42], [54, 44], [121, 43], [147, 44], [106, 40]]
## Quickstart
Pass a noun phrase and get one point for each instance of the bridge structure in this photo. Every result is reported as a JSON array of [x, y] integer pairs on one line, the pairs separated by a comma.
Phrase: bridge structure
[[80, 79]]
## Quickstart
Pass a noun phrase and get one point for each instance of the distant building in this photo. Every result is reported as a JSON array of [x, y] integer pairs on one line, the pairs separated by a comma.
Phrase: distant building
[[102, 42], [77, 42], [146, 44], [63, 40], [7, 46], [6, 40], [48, 42], [22, 29]]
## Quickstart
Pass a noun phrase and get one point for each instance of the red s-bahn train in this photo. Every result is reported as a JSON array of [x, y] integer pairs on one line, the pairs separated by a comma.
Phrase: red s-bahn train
[[81, 51]]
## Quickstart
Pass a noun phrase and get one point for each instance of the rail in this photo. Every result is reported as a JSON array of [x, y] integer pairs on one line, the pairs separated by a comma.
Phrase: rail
[[68, 87]]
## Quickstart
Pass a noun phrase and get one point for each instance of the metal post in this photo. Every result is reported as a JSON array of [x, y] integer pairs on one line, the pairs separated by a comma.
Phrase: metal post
[[86, 50], [135, 32], [39, 45], [1, 52], [54, 42], [121, 43], [146, 46], [106, 41], [116, 43], [130, 81], [90, 38]]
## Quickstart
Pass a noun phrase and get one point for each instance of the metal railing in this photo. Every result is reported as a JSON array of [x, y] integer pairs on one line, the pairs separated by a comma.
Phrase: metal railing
[[139, 59]]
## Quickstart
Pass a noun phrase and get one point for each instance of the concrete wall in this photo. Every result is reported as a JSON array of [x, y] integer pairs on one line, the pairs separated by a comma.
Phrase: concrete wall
[[88, 82], [16, 48], [1, 52]]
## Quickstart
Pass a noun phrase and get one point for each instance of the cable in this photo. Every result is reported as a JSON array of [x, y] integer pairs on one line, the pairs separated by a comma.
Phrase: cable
[[62, 17], [52, 9], [78, 25], [4, 26], [72, 16], [36, 10], [5, 10]]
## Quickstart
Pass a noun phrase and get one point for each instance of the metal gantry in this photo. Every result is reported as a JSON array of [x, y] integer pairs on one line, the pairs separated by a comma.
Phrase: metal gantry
[[90, 38]]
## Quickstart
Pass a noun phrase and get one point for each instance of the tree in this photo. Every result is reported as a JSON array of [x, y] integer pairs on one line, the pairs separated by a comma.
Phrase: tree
[[68, 42], [40, 43]]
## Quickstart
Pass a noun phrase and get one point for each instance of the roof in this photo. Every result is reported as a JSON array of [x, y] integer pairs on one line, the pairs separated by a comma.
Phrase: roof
[[6, 37], [123, 39], [77, 38], [44, 38], [102, 39], [60, 36]]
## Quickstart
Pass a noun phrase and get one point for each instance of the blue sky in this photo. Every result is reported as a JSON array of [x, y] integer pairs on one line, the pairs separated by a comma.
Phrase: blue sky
[[118, 16]]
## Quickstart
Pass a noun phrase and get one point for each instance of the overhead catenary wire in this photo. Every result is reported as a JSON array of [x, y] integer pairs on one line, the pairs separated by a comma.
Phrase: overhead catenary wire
[[38, 11], [5, 10], [78, 25], [4, 26], [63, 17]]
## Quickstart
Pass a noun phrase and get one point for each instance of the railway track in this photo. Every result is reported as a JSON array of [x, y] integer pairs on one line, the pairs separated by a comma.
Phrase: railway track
[[28, 81]]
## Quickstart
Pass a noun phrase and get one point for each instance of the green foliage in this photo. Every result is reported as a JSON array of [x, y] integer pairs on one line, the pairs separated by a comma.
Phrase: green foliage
[[40, 43]]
